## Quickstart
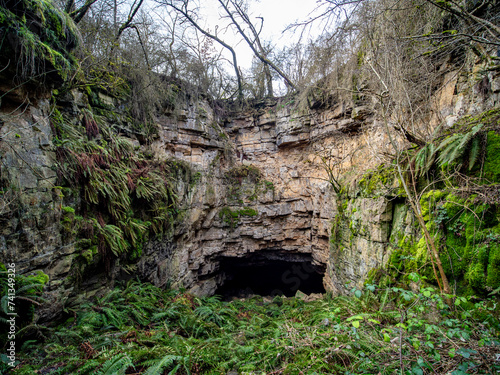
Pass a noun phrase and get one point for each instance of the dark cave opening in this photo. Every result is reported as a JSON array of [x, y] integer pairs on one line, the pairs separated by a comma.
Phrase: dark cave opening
[[270, 274]]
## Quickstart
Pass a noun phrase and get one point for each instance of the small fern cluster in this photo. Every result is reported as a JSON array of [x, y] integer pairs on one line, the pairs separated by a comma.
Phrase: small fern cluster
[[462, 148], [19, 295]]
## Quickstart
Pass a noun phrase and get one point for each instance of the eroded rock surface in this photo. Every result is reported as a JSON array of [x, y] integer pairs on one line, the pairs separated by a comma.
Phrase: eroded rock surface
[[265, 178]]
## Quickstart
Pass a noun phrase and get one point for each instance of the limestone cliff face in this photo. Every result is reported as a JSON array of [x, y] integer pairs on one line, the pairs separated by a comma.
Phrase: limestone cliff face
[[30, 204], [263, 194], [263, 186], [265, 189]]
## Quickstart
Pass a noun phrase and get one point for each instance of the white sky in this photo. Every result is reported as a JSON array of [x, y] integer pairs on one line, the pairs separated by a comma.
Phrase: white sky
[[277, 15], [280, 13]]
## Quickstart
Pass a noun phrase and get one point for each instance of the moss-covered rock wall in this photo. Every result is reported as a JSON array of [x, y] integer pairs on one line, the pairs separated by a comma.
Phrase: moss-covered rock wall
[[458, 195], [92, 192]]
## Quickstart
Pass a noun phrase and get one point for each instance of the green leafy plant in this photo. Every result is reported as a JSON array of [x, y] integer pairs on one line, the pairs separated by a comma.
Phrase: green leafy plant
[[19, 295], [126, 196], [467, 146], [381, 330]]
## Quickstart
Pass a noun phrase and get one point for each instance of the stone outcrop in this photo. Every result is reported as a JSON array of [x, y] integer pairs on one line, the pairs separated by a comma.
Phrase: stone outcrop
[[30, 204], [268, 189], [362, 241], [257, 193], [265, 185]]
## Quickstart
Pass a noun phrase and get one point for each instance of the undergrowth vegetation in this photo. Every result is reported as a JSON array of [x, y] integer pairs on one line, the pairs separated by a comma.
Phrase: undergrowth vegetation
[[459, 200], [140, 329], [27, 296]]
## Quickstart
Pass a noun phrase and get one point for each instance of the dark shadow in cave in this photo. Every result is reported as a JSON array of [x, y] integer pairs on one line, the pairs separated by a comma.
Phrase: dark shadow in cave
[[270, 274]]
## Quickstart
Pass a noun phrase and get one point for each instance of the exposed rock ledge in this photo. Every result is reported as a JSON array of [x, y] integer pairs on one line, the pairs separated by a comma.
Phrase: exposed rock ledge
[[263, 188]]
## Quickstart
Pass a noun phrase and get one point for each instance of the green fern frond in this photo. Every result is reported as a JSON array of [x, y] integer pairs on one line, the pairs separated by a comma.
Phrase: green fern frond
[[31, 288], [89, 367], [70, 134], [113, 236], [455, 146], [123, 146], [91, 318], [116, 365], [111, 296], [91, 191], [113, 317], [133, 230], [175, 369], [451, 149], [139, 315], [424, 159], [158, 367], [475, 151], [170, 313], [4, 303], [476, 129], [431, 156], [129, 268], [448, 140], [467, 137]]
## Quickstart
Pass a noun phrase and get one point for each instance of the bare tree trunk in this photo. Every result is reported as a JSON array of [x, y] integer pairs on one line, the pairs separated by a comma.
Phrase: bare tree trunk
[[142, 46], [115, 13], [128, 23], [69, 6], [256, 34], [78, 14]]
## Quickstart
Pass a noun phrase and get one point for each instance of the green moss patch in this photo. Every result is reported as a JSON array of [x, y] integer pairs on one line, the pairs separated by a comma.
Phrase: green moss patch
[[231, 217], [379, 181], [492, 163], [41, 37]]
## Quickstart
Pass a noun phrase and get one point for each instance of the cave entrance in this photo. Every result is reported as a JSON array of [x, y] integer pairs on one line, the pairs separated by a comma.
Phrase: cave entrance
[[270, 274]]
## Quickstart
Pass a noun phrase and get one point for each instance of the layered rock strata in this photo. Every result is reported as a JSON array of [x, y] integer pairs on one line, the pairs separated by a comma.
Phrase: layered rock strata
[[266, 177]]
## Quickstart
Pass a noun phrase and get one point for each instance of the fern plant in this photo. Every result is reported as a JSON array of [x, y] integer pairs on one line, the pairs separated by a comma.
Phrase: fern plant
[[454, 147], [424, 159], [117, 365], [172, 332], [466, 146], [26, 296], [157, 366], [126, 196]]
